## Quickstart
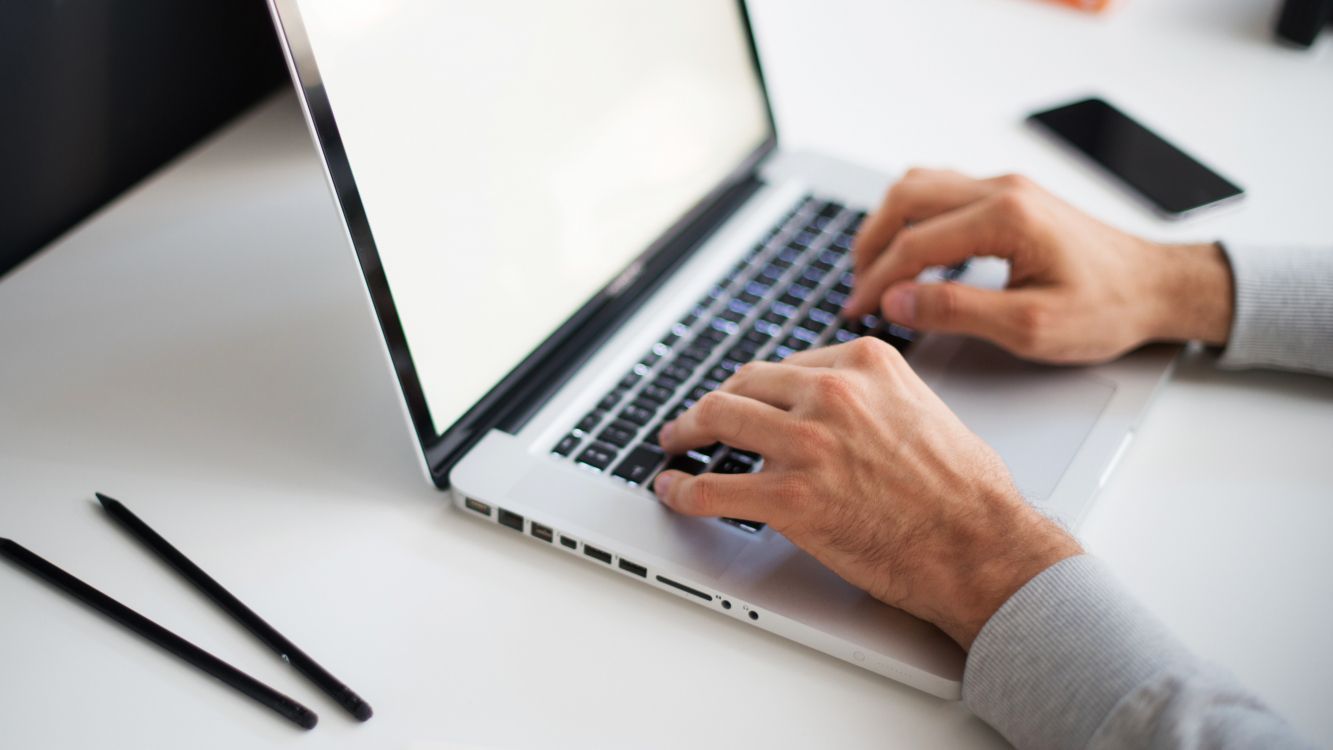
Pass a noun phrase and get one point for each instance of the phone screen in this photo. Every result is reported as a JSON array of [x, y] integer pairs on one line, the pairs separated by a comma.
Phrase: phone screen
[[1171, 179]]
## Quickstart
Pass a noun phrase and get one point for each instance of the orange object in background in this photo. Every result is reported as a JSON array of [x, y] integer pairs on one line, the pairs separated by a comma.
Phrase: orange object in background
[[1092, 6]]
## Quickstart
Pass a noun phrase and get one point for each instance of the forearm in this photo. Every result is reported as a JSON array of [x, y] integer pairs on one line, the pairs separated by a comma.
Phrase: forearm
[[1071, 661], [1270, 307]]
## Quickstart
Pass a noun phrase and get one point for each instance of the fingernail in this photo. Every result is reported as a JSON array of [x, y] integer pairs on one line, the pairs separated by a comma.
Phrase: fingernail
[[900, 305], [662, 485], [666, 432]]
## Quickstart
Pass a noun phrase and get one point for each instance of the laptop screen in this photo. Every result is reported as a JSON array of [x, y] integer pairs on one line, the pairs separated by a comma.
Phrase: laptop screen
[[513, 157]]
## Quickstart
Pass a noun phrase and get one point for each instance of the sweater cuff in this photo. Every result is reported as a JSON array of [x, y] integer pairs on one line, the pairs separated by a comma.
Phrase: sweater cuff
[[1048, 667], [1283, 312]]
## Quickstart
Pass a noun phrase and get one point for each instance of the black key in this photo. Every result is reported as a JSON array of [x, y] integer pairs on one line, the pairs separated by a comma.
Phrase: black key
[[828, 257], [819, 319], [830, 209], [842, 336], [566, 445], [733, 465], [804, 239], [658, 392], [688, 464], [610, 400], [670, 340], [813, 275], [719, 374], [796, 344], [691, 358], [749, 298], [789, 255], [598, 456], [752, 458], [629, 380], [637, 468], [766, 329], [775, 318], [733, 316], [638, 413], [730, 365], [654, 435], [679, 372], [741, 354], [757, 337], [710, 335], [829, 306], [773, 271], [757, 288], [689, 320], [790, 300], [618, 434], [589, 421], [696, 394], [676, 411], [780, 353], [650, 359], [805, 334]]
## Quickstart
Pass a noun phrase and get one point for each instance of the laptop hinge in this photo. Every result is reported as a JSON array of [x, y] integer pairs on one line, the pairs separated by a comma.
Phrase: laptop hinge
[[537, 379]]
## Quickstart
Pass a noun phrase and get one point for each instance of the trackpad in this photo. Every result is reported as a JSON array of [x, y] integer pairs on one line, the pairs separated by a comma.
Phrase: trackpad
[[1035, 416]]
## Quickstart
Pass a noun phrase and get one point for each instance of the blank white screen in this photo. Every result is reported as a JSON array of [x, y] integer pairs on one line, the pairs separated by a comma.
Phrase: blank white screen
[[513, 156]]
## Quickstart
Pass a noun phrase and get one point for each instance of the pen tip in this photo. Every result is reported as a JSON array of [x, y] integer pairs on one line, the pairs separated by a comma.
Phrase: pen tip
[[104, 500]]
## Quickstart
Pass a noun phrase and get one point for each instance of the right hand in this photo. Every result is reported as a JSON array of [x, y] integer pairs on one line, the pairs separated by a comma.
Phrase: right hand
[[1079, 291]]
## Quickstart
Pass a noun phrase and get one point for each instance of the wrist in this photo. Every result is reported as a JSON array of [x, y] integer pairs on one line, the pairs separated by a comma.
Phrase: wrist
[[1190, 294], [1021, 544]]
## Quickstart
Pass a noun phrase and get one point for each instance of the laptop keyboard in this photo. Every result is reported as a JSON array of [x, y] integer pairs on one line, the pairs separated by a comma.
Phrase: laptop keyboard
[[783, 297]]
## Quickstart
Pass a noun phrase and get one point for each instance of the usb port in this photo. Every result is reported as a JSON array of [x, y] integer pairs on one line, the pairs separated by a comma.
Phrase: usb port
[[512, 520], [477, 505], [597, 554], [570, 543], [542, 532], [634, 568]]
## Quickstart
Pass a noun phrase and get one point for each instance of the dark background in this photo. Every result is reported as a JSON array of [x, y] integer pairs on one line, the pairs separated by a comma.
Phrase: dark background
[[95, 94]]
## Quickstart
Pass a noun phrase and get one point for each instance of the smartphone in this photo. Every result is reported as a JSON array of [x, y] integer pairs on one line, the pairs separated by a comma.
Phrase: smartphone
[[1174, 182]]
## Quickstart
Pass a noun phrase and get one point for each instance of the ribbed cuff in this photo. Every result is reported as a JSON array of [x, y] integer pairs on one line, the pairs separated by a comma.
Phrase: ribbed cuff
[[1283, 314], [1052, 663]]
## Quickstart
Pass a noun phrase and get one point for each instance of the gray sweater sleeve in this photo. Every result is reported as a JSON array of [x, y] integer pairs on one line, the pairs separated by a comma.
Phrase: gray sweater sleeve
[[1072, 661], [1283, 316]]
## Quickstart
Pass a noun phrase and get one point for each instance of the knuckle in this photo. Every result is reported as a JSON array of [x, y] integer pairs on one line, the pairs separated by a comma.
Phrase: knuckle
[[1032, 325], [866, 350], [745, 374], [832, 387], [1016, 207], [707, 411], [1016, 182], [702, 495]]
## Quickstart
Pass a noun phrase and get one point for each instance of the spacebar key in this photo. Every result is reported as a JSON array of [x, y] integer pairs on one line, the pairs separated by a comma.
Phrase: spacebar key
[[639, 464]]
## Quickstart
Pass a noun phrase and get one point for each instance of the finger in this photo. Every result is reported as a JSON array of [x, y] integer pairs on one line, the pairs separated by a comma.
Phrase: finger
[[770, 382], [920, 195], [979, 228], [722, 417], [957, 308], [824, 356], [727, 495]]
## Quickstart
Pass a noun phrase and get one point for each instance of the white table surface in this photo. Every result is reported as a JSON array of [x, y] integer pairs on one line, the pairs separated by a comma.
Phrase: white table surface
[[201, 349]]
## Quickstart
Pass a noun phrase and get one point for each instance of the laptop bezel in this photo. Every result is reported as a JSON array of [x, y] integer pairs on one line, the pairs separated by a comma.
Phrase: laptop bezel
[[517, 395]]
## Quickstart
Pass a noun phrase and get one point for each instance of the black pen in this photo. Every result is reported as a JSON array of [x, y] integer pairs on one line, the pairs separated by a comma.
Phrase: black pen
[[158, 635], [233, 606]]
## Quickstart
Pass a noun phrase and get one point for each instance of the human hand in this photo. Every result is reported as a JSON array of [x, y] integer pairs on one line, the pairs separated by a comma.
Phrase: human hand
[[1079, 291], [868, 471]]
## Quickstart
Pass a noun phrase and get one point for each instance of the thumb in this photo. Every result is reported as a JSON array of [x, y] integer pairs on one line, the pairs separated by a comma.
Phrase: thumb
[[956, 308]]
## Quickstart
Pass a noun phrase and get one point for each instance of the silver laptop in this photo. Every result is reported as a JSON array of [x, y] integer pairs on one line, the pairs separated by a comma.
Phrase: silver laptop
[[574, 220]]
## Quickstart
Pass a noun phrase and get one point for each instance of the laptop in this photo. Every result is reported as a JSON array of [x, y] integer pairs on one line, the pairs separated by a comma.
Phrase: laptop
[[576, 219]]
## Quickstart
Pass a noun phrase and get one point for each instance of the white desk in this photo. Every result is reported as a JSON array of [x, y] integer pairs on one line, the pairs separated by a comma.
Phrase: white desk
[[201, 348]]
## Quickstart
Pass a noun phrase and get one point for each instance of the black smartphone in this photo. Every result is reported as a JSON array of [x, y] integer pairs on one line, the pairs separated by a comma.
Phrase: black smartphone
[[1172, 180]]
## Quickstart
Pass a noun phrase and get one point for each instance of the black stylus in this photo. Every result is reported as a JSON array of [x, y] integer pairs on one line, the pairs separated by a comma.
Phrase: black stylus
[[158, 635], [233, 606]]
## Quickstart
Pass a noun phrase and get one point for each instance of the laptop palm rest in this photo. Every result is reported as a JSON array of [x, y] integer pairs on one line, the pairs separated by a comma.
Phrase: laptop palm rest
[[1035, 416]]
